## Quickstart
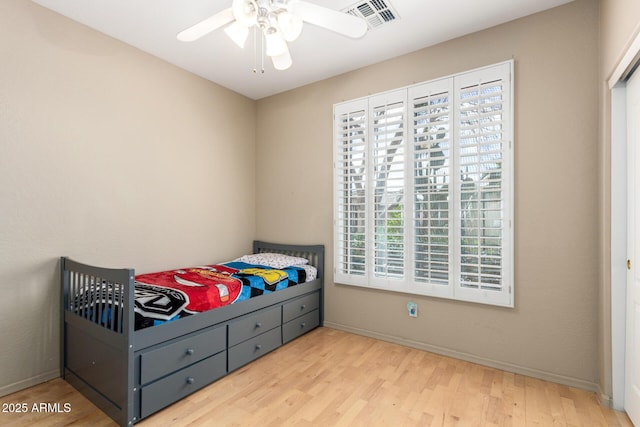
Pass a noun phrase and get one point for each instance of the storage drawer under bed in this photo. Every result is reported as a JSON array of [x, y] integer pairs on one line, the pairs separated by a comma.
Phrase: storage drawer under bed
[[249, 350], [253, 325], [159, 394], [300, 306], [164, 360], [300, 325]]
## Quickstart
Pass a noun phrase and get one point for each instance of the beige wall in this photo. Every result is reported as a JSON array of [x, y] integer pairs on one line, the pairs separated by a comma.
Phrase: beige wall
[[552, 332], [111, 156], [619, 25]]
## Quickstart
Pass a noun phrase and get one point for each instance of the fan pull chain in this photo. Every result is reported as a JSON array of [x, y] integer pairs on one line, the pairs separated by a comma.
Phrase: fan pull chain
[[255, 51], [262, 51]]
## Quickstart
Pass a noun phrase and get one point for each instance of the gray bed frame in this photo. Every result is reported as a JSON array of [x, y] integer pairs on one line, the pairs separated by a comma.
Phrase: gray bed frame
[[131, 374]]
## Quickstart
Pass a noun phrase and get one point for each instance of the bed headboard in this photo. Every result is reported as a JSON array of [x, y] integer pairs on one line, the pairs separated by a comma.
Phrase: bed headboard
[[314, 253]]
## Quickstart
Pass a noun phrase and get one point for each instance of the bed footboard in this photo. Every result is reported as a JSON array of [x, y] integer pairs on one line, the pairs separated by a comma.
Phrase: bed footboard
[[314, 253], [97, 333]]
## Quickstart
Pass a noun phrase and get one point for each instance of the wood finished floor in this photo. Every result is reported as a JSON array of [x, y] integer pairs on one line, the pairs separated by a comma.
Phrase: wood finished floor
[[333, 378]]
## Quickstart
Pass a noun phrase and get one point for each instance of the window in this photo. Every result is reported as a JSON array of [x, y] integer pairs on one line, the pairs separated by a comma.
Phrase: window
[[423, 190]]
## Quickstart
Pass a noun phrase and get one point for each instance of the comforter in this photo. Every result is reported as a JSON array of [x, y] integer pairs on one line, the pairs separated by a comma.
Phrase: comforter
[[171, 295]]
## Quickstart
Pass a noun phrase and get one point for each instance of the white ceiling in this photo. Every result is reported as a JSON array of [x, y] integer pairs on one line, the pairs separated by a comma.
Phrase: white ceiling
[[152, 25]]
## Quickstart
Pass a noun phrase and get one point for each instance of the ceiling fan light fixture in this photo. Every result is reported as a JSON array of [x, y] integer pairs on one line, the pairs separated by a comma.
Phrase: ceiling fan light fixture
[[282, 61], [290, 25], [275, 43], [238, 33], [245, 12]]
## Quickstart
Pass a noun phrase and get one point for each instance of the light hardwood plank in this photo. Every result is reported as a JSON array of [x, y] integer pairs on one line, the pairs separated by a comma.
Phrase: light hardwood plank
[[333, 378]]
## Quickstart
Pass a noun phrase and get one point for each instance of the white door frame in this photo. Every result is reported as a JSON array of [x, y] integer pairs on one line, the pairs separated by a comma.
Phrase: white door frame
[[618, 242], [618, 193]]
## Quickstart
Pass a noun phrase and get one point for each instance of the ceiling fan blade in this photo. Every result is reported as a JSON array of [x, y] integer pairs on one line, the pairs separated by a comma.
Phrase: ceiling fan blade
[[205, 27], [340, 22]]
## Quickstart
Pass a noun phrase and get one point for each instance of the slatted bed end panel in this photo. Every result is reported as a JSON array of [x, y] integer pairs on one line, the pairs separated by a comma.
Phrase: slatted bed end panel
[[314, 253], [102, 296]]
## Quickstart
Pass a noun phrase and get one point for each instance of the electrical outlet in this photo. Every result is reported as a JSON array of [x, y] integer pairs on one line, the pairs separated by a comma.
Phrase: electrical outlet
[[412, 308]]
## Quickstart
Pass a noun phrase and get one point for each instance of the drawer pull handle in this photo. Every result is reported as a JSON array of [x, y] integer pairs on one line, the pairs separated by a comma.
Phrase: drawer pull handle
[[303, 306], [189, 351], [258, 325], [191, 380], [303, 325], [258, 347]]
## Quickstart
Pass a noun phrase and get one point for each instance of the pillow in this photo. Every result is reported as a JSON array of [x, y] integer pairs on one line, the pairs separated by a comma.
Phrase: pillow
[[311, 271], [273, 260]]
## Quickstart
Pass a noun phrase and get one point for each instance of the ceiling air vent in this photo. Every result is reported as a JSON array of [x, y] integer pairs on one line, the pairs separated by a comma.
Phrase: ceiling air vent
[[375, 12]]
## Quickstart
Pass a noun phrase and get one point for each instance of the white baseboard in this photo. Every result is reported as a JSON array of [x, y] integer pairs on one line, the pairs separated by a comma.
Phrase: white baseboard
[[522, 370], [29, 382], [604, 399]]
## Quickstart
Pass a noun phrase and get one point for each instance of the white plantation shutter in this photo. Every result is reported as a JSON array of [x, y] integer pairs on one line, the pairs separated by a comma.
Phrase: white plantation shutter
[[387, 129], [423, 188], [483, 164], [350, 174], [432, 131]]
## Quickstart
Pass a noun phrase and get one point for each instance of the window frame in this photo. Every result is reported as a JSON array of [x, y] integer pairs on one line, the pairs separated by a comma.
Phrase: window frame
[[453, 85]]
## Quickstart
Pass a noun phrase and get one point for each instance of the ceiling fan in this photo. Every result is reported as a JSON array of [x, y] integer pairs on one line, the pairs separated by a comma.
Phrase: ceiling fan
[[279, 21]]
